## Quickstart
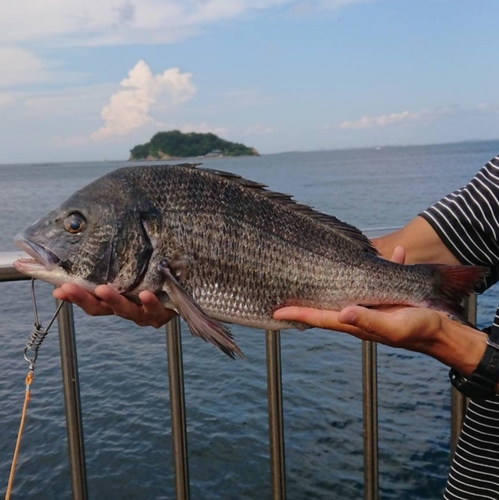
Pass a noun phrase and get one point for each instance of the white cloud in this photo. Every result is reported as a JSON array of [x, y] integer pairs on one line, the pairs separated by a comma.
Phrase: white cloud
[[104, 22], [111, 22], [385, 120], [404, 117], [20, 67], [130, 107]]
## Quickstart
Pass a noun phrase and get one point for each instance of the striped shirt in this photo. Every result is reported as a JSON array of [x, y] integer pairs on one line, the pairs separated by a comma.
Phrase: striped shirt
[[467, 221]]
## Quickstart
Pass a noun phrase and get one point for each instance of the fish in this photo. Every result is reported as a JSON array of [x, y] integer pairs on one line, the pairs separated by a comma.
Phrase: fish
[[221, 249]]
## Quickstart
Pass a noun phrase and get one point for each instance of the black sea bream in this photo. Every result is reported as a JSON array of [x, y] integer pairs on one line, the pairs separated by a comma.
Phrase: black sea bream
[[219, 248]]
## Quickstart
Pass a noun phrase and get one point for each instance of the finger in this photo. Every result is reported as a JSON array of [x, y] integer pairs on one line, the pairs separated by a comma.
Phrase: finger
[[60, 294], [149, 300], [110, 295], [80, 297], [154, 310], [119, 304], [323, 319], [294, 313], [377, 324], [399, 255], [314, 317], [67, 289]]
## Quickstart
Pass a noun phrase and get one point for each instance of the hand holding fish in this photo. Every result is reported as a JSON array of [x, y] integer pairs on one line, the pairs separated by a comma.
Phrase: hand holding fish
[[107, 301], [414, 328], [417, 329]]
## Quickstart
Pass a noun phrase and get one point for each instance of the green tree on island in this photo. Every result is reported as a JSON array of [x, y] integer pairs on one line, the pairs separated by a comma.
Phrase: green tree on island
[[179, 145]]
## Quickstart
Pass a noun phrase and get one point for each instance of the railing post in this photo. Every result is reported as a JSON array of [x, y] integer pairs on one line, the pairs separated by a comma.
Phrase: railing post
[[71, 389], [177, 406], [276, 421], [459, 402], [370, 410]]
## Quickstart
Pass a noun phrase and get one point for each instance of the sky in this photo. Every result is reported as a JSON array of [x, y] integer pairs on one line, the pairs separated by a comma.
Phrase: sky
[[88, 80]]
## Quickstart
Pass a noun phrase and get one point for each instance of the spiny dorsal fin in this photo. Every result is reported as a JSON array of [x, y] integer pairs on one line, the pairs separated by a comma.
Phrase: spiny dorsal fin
[[287, 200]]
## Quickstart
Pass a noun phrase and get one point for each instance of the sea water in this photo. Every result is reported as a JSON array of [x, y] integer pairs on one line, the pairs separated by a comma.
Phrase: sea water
[[123, 368]]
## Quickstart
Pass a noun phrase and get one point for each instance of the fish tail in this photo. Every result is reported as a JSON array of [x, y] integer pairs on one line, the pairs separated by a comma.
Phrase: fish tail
[[452, 284]]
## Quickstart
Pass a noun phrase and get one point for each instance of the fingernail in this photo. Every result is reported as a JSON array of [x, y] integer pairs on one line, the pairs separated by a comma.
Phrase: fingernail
[[348, 317]]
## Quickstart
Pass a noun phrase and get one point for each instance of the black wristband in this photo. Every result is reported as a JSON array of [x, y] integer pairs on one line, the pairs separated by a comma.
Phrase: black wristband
[[482, 382]]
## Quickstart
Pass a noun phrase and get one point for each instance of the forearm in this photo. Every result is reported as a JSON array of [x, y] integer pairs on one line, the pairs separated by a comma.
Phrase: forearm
[[420, 241], [454, 344], [458, 346]]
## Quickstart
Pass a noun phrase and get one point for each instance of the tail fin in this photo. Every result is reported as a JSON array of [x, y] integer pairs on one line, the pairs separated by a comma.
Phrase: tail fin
[[453, 284]]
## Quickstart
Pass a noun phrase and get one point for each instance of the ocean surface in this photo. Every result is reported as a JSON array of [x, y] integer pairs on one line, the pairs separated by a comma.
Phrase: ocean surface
[[123, 368]]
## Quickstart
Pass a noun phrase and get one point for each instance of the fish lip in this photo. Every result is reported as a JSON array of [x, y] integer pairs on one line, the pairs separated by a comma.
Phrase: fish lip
[[39, 254]]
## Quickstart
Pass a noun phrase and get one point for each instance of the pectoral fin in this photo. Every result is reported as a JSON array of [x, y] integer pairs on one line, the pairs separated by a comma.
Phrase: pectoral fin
[[199, 323]]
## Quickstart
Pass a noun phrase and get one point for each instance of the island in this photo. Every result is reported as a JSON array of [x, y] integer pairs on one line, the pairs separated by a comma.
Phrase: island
[[174, 144]]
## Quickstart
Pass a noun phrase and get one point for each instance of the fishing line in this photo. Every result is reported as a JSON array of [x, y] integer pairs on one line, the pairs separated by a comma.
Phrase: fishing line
[[38, 334]]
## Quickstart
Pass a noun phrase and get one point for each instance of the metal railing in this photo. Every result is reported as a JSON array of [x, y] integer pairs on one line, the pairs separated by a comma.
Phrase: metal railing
[[69, 365], [70, 383]]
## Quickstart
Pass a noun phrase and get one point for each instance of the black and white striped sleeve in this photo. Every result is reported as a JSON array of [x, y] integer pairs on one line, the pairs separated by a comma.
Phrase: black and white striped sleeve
[[467, 220]]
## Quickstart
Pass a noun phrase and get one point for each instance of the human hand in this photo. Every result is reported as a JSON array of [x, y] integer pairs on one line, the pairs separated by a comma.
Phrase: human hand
[[107, 301], [413, 328]]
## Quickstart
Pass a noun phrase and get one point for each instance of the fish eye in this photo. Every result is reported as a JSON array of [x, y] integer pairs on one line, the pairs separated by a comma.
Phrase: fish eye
[[75, 223]]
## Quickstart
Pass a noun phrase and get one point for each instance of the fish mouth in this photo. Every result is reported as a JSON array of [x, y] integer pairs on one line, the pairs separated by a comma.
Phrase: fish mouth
[[41, 257]]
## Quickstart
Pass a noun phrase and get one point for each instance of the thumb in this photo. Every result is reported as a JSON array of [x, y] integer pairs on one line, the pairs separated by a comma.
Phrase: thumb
[[369, 320]]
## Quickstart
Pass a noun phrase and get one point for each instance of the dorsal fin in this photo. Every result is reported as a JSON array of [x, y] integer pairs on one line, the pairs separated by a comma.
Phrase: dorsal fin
[[287, 200]]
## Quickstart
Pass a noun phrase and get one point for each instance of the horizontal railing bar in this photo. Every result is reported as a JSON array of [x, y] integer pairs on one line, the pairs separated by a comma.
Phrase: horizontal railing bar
[[7, 271]]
